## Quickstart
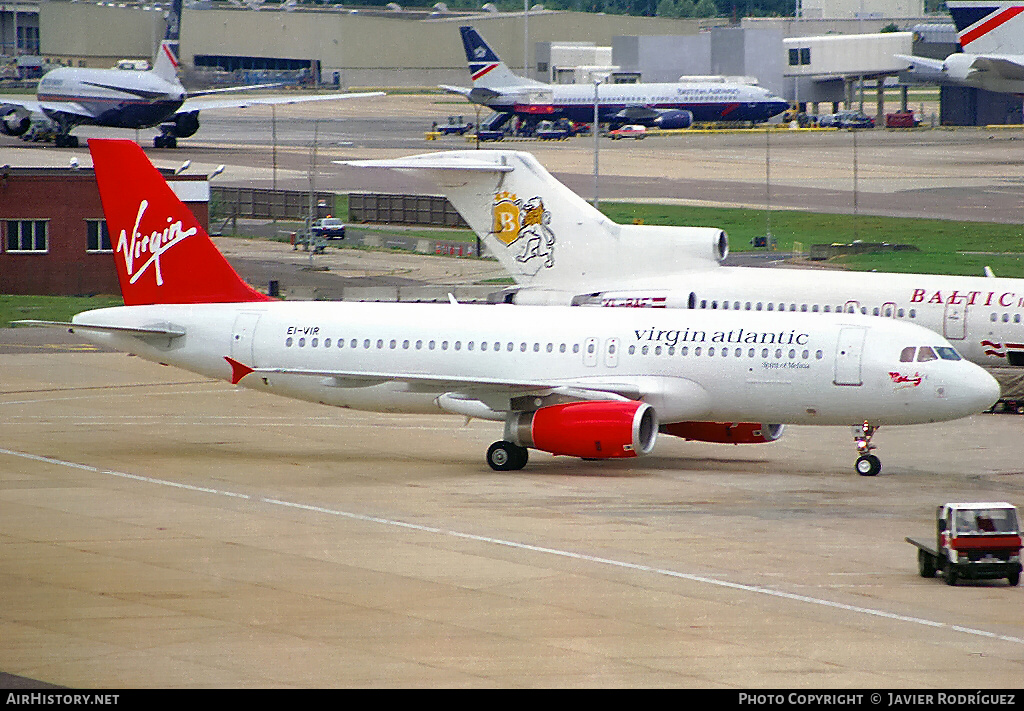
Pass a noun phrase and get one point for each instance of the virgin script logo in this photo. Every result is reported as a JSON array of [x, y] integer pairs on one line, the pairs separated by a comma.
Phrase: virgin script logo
[[151, 246]]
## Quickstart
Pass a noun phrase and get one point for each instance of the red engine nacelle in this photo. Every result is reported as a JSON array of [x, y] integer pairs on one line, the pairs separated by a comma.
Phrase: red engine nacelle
[[725, 432], [600, 429]]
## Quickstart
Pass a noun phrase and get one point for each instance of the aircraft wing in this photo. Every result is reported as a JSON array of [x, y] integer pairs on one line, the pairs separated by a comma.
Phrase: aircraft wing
[[203, 103], [12, 102], [1006, 67], [589, 389], [36, 107]]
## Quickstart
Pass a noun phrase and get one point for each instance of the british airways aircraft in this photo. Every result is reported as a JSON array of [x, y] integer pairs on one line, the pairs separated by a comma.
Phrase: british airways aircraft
[[122, 98], [589, 383], [991, 34], [664, 105], [561, 250]]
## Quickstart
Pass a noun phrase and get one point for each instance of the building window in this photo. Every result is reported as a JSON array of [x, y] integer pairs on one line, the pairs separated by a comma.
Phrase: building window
[[97, 237], [794, 57], [805, 55], [26, 236]]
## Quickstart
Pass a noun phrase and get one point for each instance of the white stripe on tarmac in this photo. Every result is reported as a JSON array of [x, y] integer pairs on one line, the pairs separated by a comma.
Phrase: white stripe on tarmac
[[533, 549]]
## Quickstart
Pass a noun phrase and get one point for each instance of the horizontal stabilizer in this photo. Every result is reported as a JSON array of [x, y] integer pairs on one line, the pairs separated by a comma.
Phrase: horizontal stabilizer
[[485, 161], [164, 331]]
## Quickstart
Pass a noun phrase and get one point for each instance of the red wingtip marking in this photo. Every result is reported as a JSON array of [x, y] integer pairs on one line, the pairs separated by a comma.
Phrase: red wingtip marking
[[238, 370]]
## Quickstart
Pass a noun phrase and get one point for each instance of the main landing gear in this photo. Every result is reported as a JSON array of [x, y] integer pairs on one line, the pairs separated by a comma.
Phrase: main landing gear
[[867, 463], [506, 456]]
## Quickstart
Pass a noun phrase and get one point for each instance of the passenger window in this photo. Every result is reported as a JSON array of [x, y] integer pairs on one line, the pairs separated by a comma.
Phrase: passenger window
[[994, 317], [819, 354], [696, 351], [828, 309], [380, 343], [302, 342], [907, 354], [1006, 318], [392, 344], [288, 342], [814, 308], [1016, 318], [711, 351], [327, 343], [771, 307], [925, 354]]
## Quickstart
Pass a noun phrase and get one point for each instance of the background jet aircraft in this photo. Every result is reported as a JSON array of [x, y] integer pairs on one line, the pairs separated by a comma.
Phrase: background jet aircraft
[[991, 35], [664, 105], [560, 250], [121, 98]]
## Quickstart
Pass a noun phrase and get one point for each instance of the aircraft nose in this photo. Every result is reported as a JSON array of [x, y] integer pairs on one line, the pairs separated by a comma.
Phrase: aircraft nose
[[979, 389]]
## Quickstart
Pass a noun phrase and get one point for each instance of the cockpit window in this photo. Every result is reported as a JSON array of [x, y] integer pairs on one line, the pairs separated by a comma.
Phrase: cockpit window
[[907, 354], [948, 353], [925, 354]]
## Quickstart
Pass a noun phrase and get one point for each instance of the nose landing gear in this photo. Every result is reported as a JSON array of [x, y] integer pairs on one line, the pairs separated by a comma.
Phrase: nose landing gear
[[867, 463]]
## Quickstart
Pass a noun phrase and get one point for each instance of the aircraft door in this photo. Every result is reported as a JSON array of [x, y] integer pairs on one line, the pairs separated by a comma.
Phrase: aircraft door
[[849, 352], [889, 309], [954, 321], [590, 352], [611, 352], [852, 307], [243, 348]]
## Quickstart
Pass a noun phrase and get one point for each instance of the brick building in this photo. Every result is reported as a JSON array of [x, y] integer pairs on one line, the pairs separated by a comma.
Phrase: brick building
[[53, 238]]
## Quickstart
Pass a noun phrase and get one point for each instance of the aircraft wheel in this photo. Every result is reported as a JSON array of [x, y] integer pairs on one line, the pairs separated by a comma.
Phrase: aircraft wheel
[[868, 465], [925, 564], [506, 456]]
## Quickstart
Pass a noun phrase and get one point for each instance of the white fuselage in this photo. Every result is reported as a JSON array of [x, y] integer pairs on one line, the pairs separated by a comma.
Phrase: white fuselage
[[688, 365]]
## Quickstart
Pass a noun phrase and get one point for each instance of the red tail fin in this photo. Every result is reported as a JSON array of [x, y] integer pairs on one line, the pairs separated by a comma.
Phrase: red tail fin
[[163, 255]]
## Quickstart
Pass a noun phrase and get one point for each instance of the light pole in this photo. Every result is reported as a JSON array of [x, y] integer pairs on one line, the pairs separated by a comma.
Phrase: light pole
[[596, 132], [526, 37]]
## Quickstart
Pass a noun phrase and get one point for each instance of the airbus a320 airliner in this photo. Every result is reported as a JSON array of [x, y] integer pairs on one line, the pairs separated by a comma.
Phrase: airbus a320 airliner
[[589, 383]]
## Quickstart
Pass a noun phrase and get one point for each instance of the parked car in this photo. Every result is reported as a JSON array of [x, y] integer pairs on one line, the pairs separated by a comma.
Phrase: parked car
[[901, 119], [629, 131], [328, 228], [846, 119]]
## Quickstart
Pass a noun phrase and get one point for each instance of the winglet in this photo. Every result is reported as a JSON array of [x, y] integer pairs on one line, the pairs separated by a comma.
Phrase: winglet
[[238, 370]]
